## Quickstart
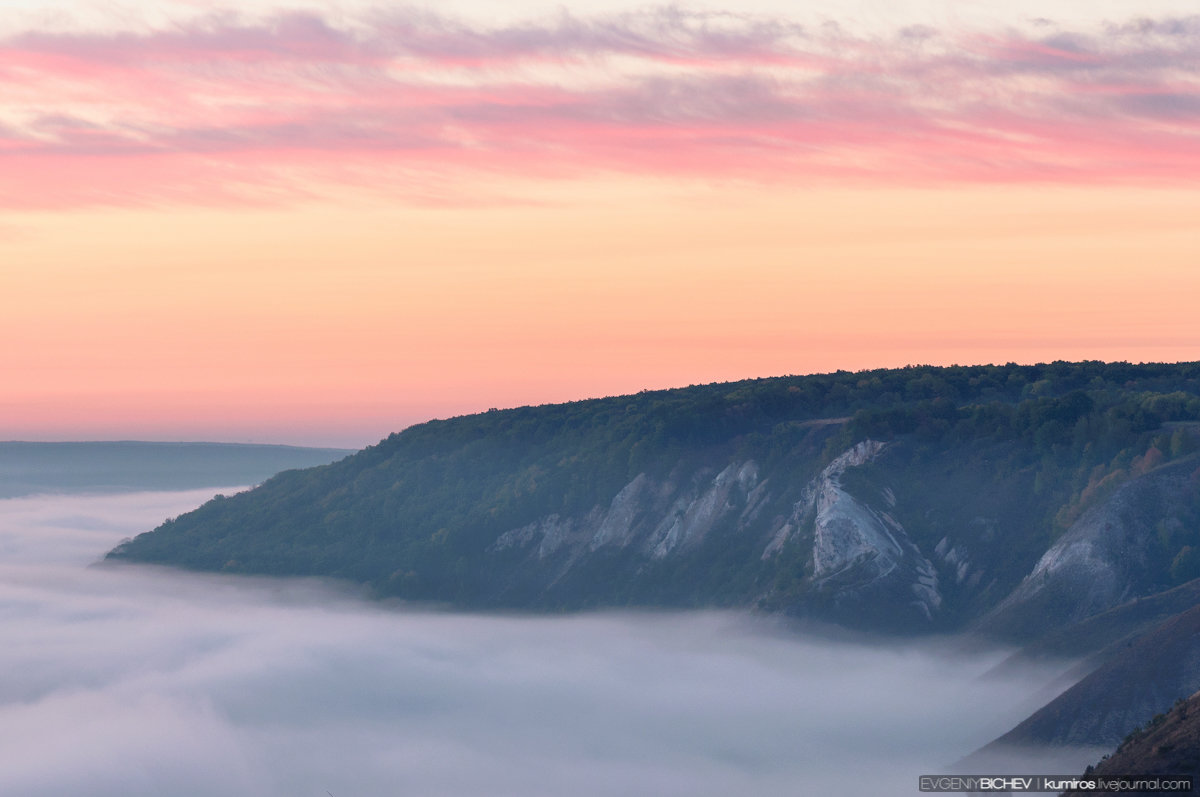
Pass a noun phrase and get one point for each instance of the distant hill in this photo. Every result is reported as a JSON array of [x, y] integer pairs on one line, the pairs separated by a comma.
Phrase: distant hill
[[1012, 499], [28, 468]]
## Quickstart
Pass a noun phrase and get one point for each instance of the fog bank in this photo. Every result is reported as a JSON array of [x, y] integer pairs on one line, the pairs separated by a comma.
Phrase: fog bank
[[138, 681]]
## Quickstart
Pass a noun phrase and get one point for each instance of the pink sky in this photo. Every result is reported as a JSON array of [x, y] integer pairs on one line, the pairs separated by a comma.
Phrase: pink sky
[[312, 227]]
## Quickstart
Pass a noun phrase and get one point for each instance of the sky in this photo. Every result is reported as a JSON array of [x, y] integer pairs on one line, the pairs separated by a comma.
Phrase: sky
[[135, 682], [320, 222]]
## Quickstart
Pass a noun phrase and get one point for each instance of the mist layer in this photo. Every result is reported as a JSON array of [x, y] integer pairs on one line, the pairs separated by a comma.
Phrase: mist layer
[[139, 681]]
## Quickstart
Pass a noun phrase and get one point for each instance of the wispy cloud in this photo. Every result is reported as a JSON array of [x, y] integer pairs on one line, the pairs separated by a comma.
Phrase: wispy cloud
[[413, 103]]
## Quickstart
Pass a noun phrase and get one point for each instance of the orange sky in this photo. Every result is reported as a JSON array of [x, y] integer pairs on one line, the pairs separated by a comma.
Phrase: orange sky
[[258, 272]]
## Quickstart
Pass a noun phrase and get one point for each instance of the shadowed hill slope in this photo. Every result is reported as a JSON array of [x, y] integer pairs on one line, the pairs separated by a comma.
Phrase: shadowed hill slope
[[1143, 679], [1168, 745]]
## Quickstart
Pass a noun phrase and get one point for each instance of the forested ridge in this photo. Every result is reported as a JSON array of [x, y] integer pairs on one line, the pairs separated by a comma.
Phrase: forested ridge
[[419, 514]]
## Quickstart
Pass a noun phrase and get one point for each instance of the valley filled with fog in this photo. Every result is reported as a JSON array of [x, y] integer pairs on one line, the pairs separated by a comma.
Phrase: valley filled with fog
[[132, 681]]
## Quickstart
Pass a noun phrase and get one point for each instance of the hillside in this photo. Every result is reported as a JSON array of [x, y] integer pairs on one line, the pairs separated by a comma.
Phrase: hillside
[[910, 499]]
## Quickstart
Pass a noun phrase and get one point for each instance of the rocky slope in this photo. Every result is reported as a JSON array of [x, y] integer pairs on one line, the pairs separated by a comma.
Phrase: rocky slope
[[1105, 558], [861, 560], [861, 557]]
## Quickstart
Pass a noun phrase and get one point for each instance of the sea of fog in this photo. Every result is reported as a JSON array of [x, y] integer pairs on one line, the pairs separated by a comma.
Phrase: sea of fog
[[137, 681]]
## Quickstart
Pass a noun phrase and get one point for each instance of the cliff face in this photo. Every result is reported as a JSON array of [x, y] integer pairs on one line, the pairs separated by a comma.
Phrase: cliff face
[[656, 518], [860, 558]]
